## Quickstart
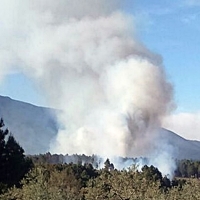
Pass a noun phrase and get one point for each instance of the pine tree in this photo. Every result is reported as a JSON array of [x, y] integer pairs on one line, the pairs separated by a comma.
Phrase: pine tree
[[3, 134], [13, 163]]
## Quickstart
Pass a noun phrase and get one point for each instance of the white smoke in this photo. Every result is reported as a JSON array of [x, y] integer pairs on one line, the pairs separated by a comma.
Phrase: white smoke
[[86, 57]]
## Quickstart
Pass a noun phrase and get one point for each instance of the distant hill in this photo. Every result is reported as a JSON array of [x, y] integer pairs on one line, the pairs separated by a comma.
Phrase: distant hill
[[185, 149], [34, 127]]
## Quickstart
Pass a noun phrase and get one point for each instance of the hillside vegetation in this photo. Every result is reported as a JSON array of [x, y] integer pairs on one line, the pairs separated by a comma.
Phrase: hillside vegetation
[[23, 178], [78, 182]]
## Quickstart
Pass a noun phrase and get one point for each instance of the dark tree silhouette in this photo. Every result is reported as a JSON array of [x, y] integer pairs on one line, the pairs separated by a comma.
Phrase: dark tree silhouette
[[13, 163]]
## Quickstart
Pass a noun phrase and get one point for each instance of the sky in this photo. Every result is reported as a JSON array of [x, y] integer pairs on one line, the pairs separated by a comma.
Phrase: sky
[[168, 28], [171, 29]]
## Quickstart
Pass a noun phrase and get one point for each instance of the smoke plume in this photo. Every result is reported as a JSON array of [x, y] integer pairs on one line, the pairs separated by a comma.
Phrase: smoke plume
[[112, 92]]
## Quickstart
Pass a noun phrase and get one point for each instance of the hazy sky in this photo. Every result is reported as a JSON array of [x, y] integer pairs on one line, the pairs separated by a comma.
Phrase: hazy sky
[[169, 28]]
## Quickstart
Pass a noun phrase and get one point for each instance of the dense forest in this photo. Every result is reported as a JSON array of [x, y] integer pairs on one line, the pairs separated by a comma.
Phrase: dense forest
[[185, 168], [78, 177]]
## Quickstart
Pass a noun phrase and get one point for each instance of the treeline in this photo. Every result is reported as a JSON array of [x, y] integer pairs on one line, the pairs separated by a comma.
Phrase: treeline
[[49, 177], [49, 158], [185, 168], [83, 182], [188, 169]]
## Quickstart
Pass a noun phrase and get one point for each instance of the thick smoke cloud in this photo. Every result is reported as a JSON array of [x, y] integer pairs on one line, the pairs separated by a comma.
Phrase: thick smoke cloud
[[86, 58]]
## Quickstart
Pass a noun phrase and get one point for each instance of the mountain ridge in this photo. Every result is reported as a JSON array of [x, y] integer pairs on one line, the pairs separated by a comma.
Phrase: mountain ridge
[[31, 125], [35, 126]]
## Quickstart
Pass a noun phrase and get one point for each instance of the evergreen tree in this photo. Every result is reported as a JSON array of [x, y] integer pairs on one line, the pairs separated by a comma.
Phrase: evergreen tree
[[13, 164], [151, 173], [108, 166], [3, 134]]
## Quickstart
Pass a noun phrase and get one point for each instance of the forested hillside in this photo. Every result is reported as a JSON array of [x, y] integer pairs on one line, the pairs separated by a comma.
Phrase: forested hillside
[[83, 182], [40, 177], [184, 168]]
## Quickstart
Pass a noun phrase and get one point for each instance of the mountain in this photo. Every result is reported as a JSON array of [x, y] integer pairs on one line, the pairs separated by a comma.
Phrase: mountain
[[182, 148], [34, 127]]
